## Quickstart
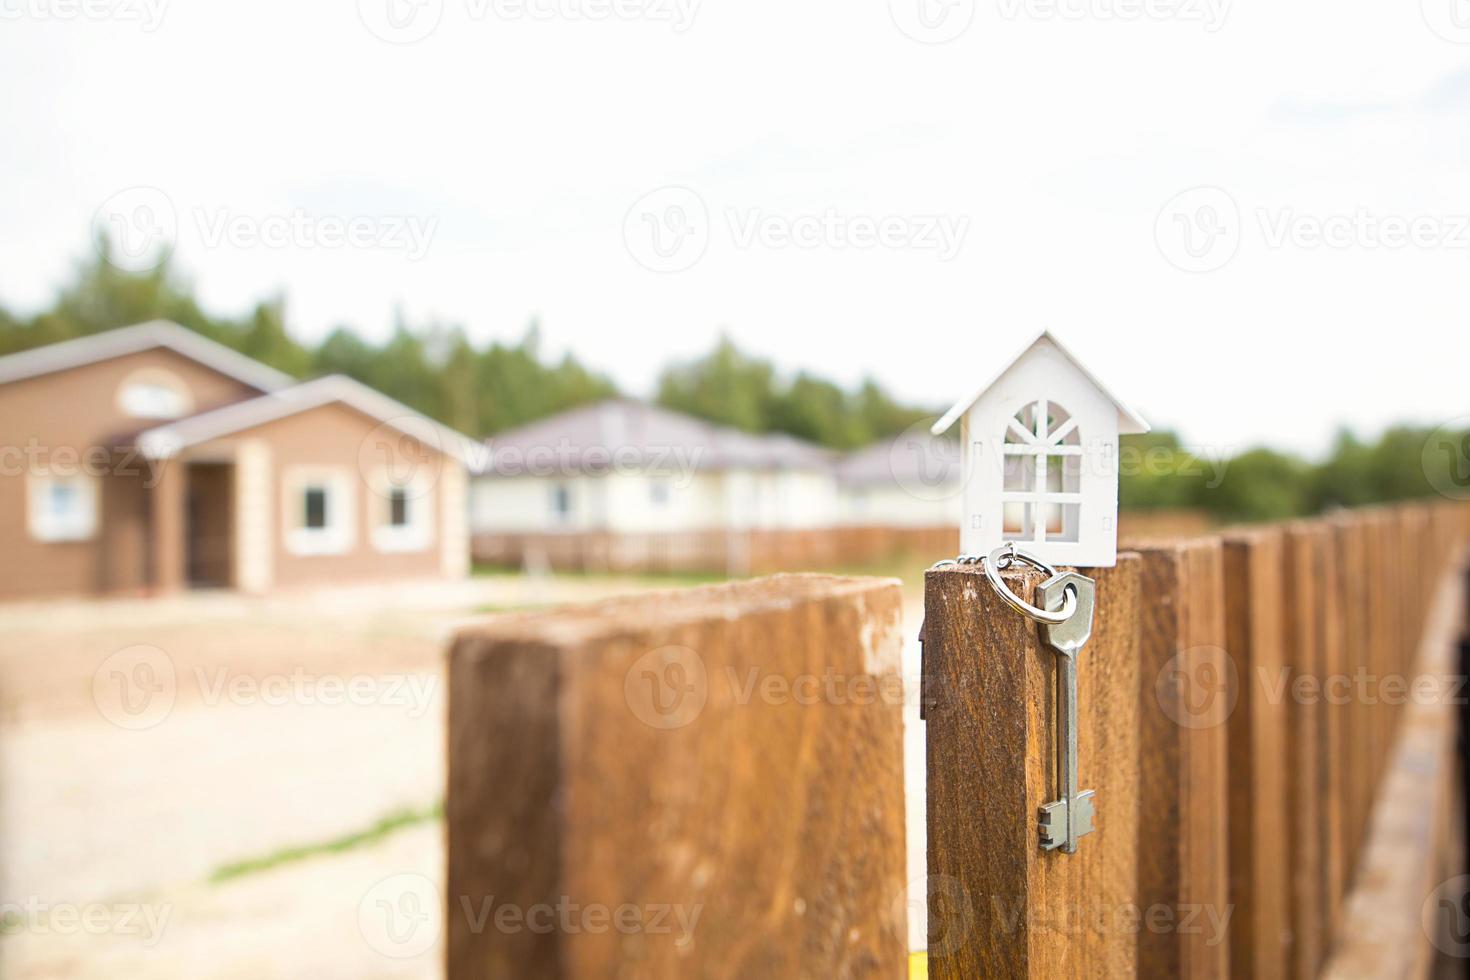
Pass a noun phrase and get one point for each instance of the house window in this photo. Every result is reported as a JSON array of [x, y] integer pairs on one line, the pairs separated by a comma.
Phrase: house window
[[403, 512], [658, 492], [561, 503], [154, 394], [1041, 490], [62, 508], [319, 511]]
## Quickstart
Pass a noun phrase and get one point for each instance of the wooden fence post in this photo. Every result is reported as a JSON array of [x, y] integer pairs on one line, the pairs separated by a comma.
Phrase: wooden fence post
[[697, 783], [1259, 926], [1015, 910], [1185, 692]]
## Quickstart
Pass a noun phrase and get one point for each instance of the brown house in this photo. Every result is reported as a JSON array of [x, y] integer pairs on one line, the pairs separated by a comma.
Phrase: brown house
[[148, 459]]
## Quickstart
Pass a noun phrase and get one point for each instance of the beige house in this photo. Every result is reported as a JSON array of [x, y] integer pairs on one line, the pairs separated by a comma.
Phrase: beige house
[[149, 459]]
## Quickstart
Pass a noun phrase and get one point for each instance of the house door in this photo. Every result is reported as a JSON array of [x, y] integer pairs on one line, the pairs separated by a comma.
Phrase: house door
[[209, 523]]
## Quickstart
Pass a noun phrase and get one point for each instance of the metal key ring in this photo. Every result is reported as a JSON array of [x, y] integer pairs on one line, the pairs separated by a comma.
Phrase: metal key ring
[[1011, 555]]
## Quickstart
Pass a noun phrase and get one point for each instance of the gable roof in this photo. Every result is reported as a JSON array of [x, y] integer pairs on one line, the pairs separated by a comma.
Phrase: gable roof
[[1129, 421], [625, 432], [122, 341], [167, 440]]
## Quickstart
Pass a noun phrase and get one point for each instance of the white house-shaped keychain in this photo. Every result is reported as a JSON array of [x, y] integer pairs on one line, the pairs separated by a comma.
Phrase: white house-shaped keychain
[[1040, 450]]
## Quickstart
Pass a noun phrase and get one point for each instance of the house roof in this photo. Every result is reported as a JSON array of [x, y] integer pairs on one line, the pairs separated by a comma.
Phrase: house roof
[[902, 461], [130, 340], [167, 440], [1129, 421], [627, 433]]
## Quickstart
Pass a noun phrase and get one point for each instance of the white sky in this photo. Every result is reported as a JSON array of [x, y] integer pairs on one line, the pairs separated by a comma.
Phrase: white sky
[[1058, 139]]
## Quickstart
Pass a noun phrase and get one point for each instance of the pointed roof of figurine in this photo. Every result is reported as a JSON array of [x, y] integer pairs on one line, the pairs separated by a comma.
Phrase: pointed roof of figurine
[[1129, 421]]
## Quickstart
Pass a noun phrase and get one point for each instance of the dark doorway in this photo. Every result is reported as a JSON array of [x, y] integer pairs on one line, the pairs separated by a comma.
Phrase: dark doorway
[[208, 528]]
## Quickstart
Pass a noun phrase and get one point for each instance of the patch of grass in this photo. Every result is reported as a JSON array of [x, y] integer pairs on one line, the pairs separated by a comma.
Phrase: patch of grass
[[385, 826]]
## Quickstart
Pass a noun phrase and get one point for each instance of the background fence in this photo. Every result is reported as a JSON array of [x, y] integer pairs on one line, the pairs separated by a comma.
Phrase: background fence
[[1267, 718]]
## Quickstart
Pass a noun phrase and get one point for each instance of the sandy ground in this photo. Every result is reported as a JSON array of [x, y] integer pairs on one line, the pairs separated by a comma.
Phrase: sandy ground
[[143, 745]]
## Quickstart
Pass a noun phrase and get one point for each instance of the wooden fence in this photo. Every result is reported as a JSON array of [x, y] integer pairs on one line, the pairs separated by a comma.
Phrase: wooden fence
[[711, 780]]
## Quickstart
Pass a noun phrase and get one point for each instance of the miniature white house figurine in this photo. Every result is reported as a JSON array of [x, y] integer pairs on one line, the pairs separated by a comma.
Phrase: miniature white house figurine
[[1040, 450]]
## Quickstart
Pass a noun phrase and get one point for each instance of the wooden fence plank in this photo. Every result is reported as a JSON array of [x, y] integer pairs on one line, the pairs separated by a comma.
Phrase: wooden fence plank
[[732, 753], [1260, 932], [1184, 702], [992, 764], [1332, 721], [1384, 933], [1306, 760]]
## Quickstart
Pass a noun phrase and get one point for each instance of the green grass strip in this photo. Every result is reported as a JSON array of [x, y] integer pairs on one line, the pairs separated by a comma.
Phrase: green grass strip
[[389, 824]]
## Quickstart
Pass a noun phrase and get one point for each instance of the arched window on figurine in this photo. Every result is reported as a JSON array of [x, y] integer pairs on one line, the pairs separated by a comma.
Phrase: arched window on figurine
[[1040, 449], [1042, 492]]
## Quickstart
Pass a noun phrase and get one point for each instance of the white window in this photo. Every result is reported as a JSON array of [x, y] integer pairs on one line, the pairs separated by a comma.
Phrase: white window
[[1041, 492], [62, 508], [154, 394], [658, 491], [319, 511], [404, 512]]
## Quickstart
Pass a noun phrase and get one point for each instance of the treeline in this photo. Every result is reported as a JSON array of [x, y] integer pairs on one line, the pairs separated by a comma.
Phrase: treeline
[[481, 390]]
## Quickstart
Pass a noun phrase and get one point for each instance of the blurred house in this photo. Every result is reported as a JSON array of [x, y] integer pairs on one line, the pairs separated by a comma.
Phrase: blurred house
[[622, 485], [149, 458], [912, 480]]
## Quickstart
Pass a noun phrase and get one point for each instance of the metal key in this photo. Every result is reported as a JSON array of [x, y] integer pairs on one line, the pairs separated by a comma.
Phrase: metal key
[[1070, 817]]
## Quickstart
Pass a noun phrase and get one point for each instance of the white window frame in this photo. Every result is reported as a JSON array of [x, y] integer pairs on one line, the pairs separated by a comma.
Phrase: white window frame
[[154, 378], [418, 533], [44, 525], [339, 536], [1041, 443], [559, 517]]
